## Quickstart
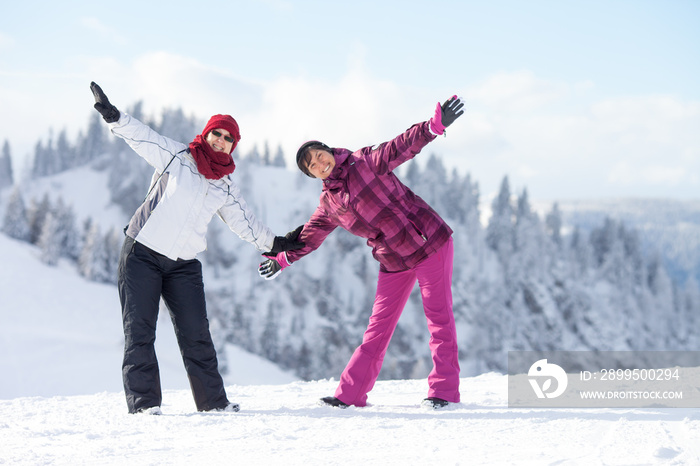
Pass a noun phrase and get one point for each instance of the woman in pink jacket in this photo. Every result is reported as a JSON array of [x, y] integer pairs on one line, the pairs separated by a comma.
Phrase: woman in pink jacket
[[362, 194]]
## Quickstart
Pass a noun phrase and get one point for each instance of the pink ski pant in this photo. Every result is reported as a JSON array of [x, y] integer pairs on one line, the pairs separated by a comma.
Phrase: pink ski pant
[[434, 277]]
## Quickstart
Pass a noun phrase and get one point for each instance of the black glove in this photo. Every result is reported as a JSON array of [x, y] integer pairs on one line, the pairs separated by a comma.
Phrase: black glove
[[108, 111], [287, 242], [269, 269], [451, 110]]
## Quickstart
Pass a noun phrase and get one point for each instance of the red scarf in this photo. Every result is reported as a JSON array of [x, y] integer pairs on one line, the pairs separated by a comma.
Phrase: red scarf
[[210, 163]]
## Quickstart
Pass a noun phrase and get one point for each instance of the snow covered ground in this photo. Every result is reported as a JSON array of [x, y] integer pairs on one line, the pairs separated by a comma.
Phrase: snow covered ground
[[61, 402], [281, 424]]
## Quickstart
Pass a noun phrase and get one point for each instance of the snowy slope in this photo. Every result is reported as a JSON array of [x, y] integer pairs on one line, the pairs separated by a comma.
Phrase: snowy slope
[[61, 335], [85, 189], [281, 424]]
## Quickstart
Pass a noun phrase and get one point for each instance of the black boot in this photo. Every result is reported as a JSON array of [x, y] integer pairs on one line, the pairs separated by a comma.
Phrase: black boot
[[229, 408], [333, 401], [153, 411], [434, 403]]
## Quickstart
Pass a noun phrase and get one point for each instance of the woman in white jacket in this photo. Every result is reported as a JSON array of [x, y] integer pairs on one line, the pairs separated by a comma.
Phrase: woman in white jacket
[[192, 183]]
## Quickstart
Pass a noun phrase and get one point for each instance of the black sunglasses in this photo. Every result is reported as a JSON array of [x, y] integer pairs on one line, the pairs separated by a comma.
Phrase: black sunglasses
[[218, 135]]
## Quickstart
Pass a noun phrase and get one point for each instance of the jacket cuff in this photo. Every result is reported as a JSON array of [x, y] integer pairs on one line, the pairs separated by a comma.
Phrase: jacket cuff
[[430, 128], [122, 121], [283, 260]]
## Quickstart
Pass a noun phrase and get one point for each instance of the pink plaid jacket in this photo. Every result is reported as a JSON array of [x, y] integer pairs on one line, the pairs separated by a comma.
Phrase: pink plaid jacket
[[363, 195]]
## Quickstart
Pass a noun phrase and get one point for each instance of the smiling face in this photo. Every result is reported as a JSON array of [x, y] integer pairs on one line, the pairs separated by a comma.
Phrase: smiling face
[[320, 163], [219, 143]]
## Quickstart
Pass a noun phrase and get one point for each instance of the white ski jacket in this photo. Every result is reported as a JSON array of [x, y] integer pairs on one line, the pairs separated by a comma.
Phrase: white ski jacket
[[173, 219]]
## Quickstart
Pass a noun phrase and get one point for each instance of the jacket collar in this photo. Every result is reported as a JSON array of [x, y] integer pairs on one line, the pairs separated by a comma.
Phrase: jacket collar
[[339, 172]]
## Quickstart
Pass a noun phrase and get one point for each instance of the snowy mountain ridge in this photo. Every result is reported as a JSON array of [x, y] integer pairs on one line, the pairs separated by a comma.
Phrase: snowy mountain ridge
[[668, 227]]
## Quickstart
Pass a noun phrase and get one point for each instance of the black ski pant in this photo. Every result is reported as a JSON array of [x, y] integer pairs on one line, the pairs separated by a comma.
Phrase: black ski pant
[[145, 276]]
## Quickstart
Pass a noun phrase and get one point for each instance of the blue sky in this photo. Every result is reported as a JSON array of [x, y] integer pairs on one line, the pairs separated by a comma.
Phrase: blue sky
[[571, 100]]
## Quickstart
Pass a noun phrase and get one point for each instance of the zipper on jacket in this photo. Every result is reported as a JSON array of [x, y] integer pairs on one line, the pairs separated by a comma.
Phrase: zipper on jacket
[[370, 228], [394, 199], [425, 240]]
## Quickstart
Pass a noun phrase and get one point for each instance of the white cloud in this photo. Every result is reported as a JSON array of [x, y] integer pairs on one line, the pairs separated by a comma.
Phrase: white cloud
[[629, 174], [647, 122], [525, 171], [515, 124], [166, 80], [520, 91], [353, 112], [555, 138], [570, 144]]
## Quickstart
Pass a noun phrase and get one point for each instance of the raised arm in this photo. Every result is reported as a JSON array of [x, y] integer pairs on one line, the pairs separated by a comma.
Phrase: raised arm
[[157, 150], [389, 155]]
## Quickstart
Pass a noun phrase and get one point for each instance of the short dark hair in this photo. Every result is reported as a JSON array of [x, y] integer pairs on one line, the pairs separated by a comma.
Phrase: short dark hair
[[303, 155]]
